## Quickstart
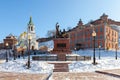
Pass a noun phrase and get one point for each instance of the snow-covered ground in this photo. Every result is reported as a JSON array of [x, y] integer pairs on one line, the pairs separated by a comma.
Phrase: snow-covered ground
[[103, 53], [87, 66], [20, 66], [107, 61]]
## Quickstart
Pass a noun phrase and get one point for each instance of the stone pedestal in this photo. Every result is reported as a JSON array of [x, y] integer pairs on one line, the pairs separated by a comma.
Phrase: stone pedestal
[[61, 57], [61, 46]]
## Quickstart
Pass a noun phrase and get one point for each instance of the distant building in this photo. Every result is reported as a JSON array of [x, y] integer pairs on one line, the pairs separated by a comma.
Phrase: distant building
[[11, 40], [1, 45], [106, 34], [23, 38]]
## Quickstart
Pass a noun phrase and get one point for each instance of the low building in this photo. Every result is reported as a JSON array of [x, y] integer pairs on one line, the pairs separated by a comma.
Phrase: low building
[[1, 45], [11, 40]]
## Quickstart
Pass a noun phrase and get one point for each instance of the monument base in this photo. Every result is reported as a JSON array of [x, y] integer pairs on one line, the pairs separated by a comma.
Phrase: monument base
[[61, 46]]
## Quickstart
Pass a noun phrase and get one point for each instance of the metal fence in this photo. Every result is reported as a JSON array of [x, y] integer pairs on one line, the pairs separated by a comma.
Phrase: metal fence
[[55, 58]]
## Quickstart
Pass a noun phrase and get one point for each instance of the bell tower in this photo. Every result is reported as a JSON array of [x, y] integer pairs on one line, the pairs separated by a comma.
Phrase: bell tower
[[32, 33], [31, 28]]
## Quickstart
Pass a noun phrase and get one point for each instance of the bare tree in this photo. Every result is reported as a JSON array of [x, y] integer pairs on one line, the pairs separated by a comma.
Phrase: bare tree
[[69, 28], [51, 33]]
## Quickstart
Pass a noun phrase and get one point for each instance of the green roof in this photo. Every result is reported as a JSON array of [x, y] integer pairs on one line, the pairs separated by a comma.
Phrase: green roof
[[30, 22]]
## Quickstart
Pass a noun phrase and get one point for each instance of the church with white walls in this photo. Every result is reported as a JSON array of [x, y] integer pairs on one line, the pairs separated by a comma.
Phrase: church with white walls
[[23, 38]]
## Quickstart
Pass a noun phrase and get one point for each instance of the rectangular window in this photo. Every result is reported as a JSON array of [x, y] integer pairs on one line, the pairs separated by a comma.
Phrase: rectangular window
[[112, 45], [101, 29], [81, 33], [90, 45], [106, 30], [90, 38], [96, 30], [70, 35], [61, 45], [85, 39], [109, 31], [112, 32], [78, 33], [96, 44], [101, 44], [86, 45], [81, 39], [96, 37], [101, 36]]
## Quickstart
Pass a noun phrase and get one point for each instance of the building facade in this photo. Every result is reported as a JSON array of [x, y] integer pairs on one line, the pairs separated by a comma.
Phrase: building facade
[[23, 38], [11, 40], [32, 33], [107, 36]]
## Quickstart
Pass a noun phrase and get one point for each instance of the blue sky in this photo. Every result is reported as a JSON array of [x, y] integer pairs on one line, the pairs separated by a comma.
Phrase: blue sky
[[14, 14]]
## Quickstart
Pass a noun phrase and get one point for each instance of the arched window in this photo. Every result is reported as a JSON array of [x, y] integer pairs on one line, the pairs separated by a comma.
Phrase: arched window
[[31, 28]]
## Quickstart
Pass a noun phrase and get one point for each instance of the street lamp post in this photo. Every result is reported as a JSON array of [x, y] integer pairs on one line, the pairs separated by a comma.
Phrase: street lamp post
[[29, 38], [16, 53], [6, 45], [94, 59], [75, 50], [14, 50], [107, 42], [22, 52], [116, 51], [99, 51]]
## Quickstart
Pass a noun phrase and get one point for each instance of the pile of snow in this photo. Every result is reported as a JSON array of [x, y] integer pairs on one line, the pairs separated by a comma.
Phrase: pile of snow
[[20, 66], [87, 66], [49, 44], [72, 55], [107, 61]]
